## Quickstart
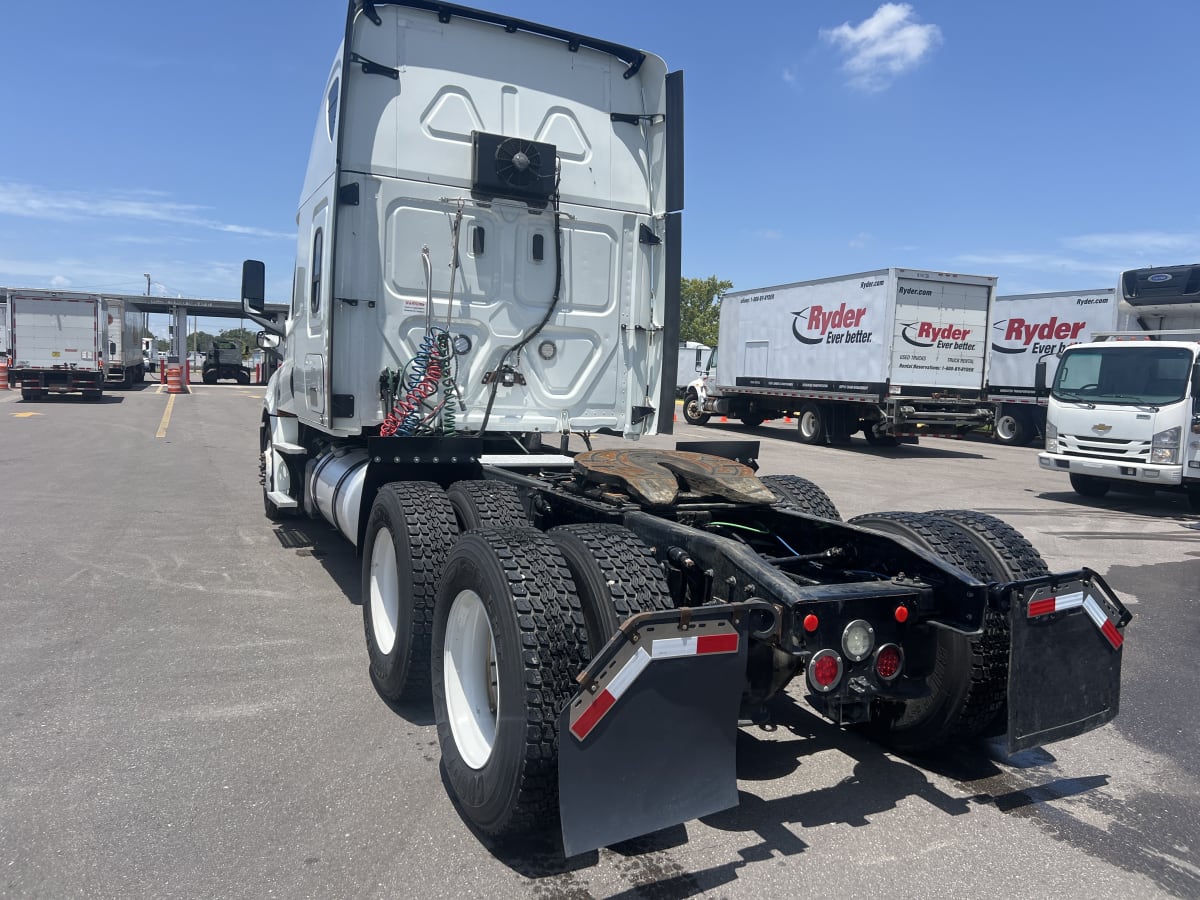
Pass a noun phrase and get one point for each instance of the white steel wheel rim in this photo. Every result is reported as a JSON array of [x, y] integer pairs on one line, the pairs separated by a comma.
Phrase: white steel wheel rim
[[472, 688], [1006, 427], [808, 424], [385, 591]]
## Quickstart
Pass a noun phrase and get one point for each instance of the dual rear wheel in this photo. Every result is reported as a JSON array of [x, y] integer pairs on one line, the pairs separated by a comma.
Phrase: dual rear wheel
[[462, 595]]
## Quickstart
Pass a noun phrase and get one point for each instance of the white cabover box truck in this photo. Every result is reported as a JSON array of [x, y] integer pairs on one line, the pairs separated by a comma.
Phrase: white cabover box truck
[[488, 265], [894, 353], [1029, 328], [56, 343], [124, 363], [4, 326], [1124, 410]]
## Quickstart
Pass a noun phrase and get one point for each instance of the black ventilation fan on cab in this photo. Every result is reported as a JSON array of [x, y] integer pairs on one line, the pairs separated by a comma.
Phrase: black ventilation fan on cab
[[512, 167]]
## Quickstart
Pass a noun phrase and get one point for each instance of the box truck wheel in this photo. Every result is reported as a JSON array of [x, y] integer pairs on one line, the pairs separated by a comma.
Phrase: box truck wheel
[[409, 533], [1089, 485], [799, 493], [693, 412], [752, 420], [508, 639], [966, 691], [1193, 495], [243, 377], [616, 576], [486, 504], [810, 424], [1013, 427]]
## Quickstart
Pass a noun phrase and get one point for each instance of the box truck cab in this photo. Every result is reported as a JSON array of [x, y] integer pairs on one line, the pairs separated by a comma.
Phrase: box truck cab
[[1125, 408]]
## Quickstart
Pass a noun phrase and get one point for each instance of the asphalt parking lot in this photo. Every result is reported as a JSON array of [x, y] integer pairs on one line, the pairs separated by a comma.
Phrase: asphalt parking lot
[[185, 708]]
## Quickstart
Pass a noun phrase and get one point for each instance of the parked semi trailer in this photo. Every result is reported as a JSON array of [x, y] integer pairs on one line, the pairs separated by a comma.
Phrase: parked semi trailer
[[1027, 329], [894, 353], [56, 343], [487, 270], [1124, 409]]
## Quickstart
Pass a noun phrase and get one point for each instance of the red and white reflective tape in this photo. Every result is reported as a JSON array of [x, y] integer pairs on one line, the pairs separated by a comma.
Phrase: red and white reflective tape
[[1062, 602], [663, 648]]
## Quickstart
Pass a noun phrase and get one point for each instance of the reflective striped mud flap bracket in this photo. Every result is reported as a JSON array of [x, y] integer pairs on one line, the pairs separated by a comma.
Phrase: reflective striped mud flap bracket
[[649, 740], [1064, 671]]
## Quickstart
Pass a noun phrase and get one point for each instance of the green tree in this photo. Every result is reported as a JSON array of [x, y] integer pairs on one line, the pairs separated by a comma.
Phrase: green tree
[[199, 341], [700, 308]]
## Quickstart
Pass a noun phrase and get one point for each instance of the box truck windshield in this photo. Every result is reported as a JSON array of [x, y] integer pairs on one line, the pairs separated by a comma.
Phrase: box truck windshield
[[1123, 374]]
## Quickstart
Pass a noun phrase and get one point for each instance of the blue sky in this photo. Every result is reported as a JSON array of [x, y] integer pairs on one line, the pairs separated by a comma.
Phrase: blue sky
[[1051, 144]]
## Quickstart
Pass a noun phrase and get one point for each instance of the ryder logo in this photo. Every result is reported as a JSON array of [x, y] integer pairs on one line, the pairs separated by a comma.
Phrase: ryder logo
[[944, 337], [1021, 336], [818, 325]]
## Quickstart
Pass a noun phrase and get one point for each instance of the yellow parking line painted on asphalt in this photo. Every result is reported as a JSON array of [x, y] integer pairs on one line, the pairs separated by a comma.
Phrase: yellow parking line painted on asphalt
[[161, 388], [162, 426]]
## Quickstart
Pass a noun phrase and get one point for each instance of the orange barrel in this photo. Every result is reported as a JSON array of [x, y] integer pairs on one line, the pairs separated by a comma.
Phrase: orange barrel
[[175, 379], [3, 374]]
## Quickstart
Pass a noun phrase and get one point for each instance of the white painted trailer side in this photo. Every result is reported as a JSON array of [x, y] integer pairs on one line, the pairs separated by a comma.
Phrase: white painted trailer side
[[123, 362], [53, 332]]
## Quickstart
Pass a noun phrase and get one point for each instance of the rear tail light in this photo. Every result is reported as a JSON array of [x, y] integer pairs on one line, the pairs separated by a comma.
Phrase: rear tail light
[[889, 660], [824, 670]]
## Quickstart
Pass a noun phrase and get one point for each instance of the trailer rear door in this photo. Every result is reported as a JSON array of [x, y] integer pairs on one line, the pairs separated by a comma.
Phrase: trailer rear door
[[940, 335], [54, 332]]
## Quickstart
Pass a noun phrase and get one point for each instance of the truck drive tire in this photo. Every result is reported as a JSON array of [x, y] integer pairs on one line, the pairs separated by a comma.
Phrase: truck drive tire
[[693, 413], [752, 420], [1010, 557], [615, 574], [810, 424], [1089, 485], [243, 377], [486, 504], [409, 533], [1013, 427], [508, 640], [799, 493], [966, 690], [209, 376]]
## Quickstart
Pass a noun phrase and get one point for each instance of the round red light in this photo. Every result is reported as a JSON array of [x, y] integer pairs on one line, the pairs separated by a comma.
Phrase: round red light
[[811, 622], [887, 661], [825, 670], [901, 613]]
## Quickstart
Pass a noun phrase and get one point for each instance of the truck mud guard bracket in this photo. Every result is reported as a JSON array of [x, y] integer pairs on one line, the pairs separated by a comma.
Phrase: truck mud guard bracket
[[1064, 672], [649, 740]]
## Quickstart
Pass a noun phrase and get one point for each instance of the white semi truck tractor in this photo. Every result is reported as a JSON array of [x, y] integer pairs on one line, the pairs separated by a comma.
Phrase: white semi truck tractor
[[487, 274], [1124, 409]]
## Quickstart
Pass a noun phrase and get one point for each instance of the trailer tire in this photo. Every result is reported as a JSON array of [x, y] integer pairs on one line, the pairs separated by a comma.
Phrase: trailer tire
[[1013, 427], [810, 424], [93, 395], [966, 690], [31, 394], [409, 534], [508, 634], [693, 413], [1089, 485], [799, 493], [616, 576], [243, 377], [486, 504]]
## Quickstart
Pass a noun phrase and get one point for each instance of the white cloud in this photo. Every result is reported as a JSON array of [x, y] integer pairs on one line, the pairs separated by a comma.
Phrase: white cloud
[[30, 201], [861, 240], [769, 234], [886, 45]]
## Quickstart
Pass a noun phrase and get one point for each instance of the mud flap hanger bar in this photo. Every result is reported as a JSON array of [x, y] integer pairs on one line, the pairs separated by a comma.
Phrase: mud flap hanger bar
[[1064, 671], [649, 740]]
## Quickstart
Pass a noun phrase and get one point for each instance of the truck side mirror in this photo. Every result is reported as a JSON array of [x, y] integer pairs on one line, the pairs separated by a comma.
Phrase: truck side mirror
[[267, 341], [254, 279], [1039, 378]]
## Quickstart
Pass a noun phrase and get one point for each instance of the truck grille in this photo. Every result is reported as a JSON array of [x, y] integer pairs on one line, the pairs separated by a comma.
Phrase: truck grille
[[1087, 447]]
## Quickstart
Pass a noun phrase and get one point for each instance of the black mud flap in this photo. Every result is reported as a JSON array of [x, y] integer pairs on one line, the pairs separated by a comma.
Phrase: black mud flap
[[1064, 671], [648, 742]]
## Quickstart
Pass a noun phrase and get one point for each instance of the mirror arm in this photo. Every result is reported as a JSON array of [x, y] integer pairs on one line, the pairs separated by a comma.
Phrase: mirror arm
[[268, 321]]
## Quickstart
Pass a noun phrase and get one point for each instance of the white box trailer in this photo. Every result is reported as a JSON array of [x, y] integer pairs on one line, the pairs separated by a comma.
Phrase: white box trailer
[[3, 324], [56, 343], [693, 361], [124, 363], [1028, 328], [894, 353]]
